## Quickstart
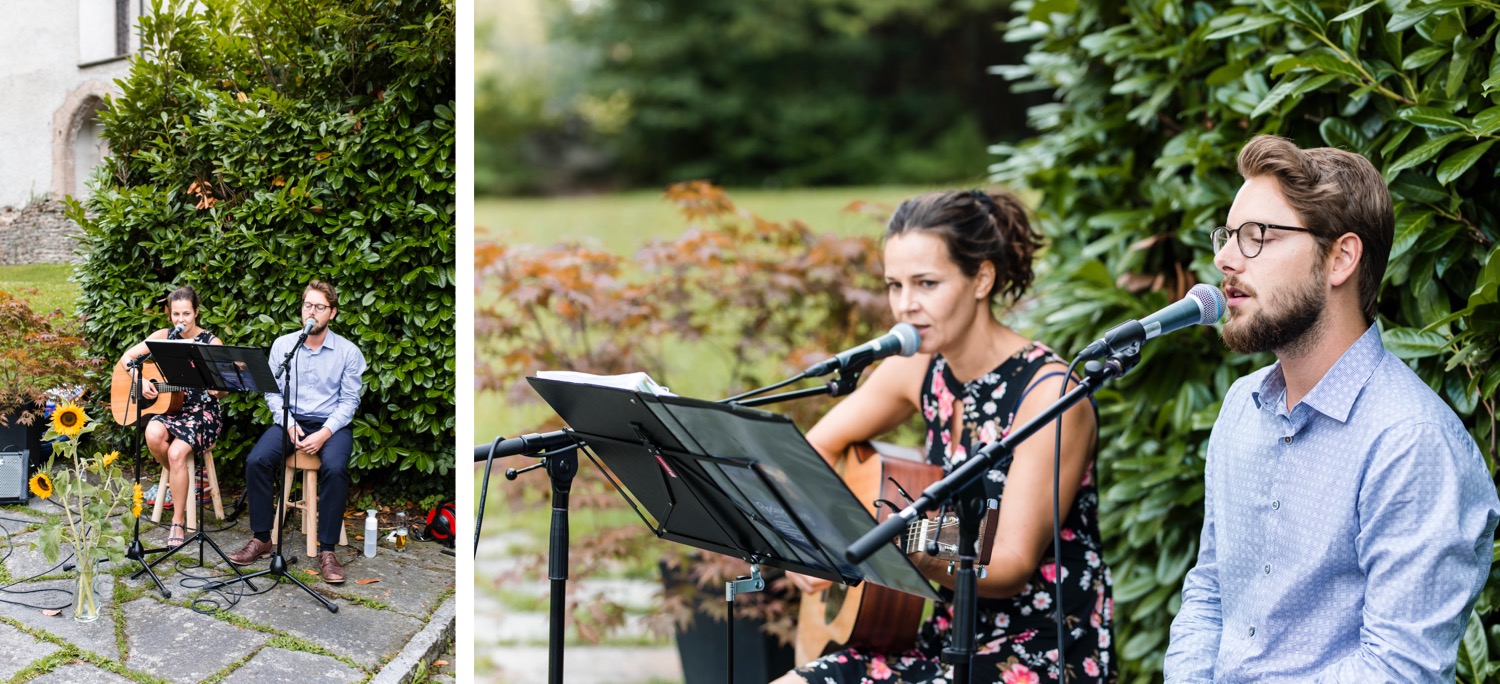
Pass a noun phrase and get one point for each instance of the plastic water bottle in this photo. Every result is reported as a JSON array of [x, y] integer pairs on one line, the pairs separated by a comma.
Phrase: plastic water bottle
[[370, 532], [401, 531]]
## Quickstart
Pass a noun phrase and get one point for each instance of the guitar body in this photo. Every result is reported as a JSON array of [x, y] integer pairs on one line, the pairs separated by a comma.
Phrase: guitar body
[[869, 615], [127, 412]]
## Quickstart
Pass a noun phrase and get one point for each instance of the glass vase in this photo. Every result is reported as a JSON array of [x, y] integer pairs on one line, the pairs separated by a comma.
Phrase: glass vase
[[85, 598]]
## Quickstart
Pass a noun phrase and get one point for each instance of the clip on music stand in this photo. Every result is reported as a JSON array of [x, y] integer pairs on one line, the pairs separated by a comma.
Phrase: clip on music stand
[[215, 368], [732, 480]]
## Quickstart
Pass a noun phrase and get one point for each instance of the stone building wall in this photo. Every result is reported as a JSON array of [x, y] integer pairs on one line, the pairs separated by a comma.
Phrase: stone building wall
[[37, 233]]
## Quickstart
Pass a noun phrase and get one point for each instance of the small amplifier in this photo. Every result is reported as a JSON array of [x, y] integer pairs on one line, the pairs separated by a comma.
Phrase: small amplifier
[[14, 471]]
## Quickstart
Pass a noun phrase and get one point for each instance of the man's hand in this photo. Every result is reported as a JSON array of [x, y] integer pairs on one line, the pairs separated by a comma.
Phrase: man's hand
[[314, 442], [808, 584], [148, 389], [294, 431]]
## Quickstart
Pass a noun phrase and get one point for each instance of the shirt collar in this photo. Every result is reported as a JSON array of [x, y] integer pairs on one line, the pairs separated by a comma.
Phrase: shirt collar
[[1336, 391], [329, 342]]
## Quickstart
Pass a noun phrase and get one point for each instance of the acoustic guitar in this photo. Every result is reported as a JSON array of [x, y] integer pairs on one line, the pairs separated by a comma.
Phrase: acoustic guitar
[[128, 410], [869, 615]]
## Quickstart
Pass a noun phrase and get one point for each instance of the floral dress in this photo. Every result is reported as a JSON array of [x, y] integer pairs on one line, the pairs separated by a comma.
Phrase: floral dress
[[1016, 640], [199, 421]]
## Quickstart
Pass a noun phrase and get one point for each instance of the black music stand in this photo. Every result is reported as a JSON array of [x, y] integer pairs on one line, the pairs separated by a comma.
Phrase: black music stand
[[216, 368], [732, 480]]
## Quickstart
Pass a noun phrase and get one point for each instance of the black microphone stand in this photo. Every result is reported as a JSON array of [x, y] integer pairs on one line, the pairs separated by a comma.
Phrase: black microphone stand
[[278, 567], [561, 465], [136, 551], [958, 483]]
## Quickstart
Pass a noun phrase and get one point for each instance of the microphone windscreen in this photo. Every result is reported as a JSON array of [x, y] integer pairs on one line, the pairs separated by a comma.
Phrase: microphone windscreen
[[1210, 303]]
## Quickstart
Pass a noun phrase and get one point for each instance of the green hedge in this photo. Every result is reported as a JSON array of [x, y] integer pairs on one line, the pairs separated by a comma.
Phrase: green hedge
[[261, 144], [1134, 164]]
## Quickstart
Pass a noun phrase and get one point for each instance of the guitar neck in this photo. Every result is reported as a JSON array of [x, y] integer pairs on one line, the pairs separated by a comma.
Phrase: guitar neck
[[944, 533]]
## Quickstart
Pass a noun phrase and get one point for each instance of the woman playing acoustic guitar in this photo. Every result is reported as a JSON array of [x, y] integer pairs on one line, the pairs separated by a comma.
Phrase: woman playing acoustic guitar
[[947, 257], [193, 430]]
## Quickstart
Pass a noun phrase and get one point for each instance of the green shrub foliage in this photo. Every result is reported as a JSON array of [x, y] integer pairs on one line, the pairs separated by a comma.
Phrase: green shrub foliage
[[1134, 164], [261, 144]]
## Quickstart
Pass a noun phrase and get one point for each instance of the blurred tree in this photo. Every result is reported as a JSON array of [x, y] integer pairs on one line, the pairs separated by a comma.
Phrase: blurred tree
[[765, 94]]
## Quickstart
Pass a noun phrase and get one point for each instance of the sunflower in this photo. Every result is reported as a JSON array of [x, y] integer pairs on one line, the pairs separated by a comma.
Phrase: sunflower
[[68, 420], [136, 498], [41, 485], [107, 459]]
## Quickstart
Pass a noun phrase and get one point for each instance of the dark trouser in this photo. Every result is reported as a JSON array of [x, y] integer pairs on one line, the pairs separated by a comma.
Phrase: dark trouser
[[261, 478]]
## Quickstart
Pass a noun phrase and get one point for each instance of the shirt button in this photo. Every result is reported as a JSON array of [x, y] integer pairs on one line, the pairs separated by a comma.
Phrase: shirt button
[[1252, 631], [1275, 505], [1287, 439], [1268, 568]]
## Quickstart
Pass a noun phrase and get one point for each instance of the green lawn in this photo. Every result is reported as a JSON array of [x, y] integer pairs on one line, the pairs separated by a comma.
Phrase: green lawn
[[53, 288], [622, 222]]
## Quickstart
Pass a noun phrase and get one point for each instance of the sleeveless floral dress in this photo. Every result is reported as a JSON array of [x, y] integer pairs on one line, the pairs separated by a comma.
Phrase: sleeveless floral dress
[[201, 419], [1016, 640]]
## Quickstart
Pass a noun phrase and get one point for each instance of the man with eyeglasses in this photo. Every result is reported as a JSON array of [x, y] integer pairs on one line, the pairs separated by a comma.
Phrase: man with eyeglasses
[[1348, 515], [325, 379]]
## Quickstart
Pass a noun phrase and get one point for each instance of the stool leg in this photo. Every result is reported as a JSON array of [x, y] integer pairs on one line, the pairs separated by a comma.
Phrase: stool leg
[[286, 499], [192, 497], [310, 510], [161, 496], [213, 484]]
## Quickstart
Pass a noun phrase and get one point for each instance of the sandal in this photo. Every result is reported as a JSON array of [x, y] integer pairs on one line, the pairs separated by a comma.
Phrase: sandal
[[176, 534]]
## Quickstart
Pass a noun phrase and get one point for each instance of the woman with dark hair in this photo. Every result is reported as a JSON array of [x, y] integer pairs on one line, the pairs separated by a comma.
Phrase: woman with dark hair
[[948, 256], [193, 430]]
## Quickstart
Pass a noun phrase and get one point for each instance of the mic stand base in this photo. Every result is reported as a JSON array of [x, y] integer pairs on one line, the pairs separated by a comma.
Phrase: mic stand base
[[136, 552], [278, 568]]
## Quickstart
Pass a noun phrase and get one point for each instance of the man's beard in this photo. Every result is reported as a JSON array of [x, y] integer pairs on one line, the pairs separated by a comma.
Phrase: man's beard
[[1288, 331]]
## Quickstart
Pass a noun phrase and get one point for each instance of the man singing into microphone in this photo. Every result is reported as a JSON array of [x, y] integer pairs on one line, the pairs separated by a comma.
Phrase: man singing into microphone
[[1348, 515], [324, 377]]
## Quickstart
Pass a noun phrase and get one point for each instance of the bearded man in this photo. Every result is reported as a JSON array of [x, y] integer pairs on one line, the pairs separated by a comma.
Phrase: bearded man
[[1348, 515]]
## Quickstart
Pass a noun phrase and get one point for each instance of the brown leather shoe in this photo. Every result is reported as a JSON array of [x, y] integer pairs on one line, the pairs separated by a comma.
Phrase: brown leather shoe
[[254, 550], [328, 563]]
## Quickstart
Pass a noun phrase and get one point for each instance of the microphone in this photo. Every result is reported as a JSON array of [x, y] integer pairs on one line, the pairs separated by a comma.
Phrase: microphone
[[177, 330], [903, 339], [308, 325], [527, 444], [1203, 305]]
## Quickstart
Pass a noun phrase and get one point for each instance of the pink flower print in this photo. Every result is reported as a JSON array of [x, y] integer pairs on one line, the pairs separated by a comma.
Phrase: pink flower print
[[988, 432], [1049, 572], [1042, 600], [879, 670], [999, 391], [1103, 638], [1024, 637], [959, 454], [1037, 352], [1090, 667], [1020, 674], [993, 646], [931, 437], [1002, 620], [1051, 655], [942, 624], [1094, 619], [842, 658], [1088, 476], [929, 411], [1067, 535], [1091, 558]]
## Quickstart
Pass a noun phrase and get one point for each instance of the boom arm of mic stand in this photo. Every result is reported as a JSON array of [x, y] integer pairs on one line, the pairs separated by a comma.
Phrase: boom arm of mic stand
[[992, 455], [838, 387]]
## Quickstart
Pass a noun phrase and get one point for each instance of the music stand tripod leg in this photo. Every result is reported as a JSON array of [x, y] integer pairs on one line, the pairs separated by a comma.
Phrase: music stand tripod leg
[[197, 536], [136, 551]]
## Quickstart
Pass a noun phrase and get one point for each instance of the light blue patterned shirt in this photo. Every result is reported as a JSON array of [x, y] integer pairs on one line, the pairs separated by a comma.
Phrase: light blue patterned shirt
[[328, 382], [1343, 541]]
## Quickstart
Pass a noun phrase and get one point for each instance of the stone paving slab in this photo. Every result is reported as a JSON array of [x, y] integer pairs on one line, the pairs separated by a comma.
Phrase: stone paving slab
[[180, 645], [97, 637], [365, 635], [18, 649], [281, 665], [411, 588], [80, 673]]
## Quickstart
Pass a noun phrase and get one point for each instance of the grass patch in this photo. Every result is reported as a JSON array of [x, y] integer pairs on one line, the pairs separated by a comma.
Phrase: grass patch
[[53, 283]]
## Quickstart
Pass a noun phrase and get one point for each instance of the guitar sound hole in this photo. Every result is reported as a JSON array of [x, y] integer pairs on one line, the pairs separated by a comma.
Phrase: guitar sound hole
[[833, 601]]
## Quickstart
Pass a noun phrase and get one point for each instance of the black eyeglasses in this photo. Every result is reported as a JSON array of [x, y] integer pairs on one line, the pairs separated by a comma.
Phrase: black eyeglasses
[[1251, 234], [311, 306]]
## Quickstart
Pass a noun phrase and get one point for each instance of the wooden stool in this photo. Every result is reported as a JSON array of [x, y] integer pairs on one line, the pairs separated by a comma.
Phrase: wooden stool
[[308, 464], [192, 503]]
